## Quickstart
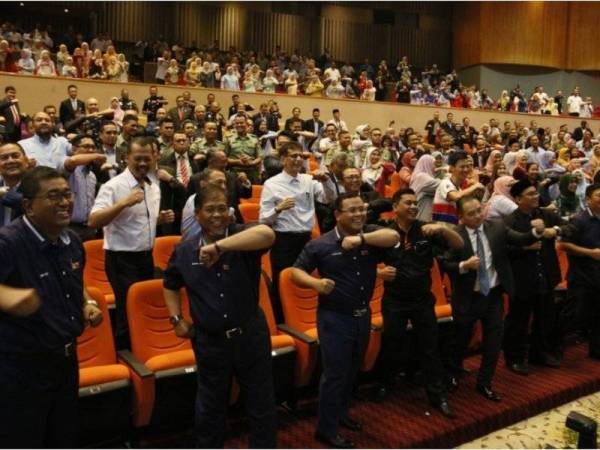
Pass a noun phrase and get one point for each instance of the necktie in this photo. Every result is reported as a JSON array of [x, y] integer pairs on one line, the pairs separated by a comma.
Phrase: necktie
[[482, 273], [180, 114], [183, 171], [15, 114]]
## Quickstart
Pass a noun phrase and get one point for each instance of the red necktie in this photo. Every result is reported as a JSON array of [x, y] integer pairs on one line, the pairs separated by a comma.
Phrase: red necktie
[[16, 117], [181, 114], [183, 171]]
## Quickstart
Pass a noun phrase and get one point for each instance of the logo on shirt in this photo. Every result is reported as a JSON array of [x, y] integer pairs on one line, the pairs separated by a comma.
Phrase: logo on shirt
[[364, 252], [225, 266], [75, 265]]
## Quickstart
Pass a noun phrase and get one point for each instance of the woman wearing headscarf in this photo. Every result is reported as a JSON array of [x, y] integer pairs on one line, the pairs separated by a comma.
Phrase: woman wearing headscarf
[[568, 202], [424, 183], [26, 64], [361, 141], [564, 157], [494, 159], [408, 166], [501, 203], [377, 172], [119, 113], [595, 160], [582, 184], [440, 169]]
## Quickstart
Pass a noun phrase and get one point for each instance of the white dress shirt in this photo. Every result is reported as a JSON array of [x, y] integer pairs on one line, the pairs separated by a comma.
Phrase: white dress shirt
[[305, 191], [49, 154], [134, 229], [492, 274]]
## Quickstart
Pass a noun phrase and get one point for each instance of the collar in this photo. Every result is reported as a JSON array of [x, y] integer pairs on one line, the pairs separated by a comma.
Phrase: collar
[[288, 178], [109, 149], [591, 213], [472, 231], [64, 236], [202, 242], [131, 180]]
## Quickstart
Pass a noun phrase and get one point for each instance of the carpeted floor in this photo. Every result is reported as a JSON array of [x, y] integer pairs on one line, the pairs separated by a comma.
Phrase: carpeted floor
[[405, 420]]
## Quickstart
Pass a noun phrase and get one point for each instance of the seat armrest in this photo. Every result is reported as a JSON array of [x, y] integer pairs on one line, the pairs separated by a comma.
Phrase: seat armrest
[[297, 334], [135, 364]]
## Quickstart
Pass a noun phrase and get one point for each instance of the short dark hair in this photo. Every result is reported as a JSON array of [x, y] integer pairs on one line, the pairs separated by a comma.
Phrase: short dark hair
[[15, 144], [106, 123], [185, 122], [208, 193], [9, 88], [287, 146], [288, 134], [460, 204], [141, 141], [335, 110], [76, 141], [30, 183], [71, 86], [129, 117], [399, 194], [456, 157], [212, 154], [48, 106], [316, 110], [529, 164], [591, 189], [339, 201], [165, 120]]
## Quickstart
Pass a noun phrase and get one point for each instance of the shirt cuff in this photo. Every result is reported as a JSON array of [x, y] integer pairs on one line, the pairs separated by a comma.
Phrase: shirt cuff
[[461, 268], [536, 234]]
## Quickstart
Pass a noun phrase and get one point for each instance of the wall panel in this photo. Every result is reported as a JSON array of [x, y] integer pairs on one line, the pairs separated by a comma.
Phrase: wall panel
[[134, 21], [583, 50]]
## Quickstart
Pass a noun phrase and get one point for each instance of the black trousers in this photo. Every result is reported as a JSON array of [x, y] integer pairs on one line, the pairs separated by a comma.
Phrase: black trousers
[[343, 340], [488, 309], [123, 269], [516, 327], [588, 314], [38, 401], [248, 358], [424, 325], [284, 253]]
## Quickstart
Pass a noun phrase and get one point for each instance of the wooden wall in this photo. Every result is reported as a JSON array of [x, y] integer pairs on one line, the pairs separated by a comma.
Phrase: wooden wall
[[35, 92], [134, 21], [543, 33]]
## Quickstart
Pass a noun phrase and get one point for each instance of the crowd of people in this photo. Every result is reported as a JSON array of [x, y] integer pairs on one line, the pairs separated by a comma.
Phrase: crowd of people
[[489, 203], [279, 72]]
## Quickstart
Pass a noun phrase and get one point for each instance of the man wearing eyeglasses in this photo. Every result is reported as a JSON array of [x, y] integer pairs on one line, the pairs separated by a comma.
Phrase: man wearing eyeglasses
[[408, 296], [287, 204], [346, 258], [39, 376], [13, 164]]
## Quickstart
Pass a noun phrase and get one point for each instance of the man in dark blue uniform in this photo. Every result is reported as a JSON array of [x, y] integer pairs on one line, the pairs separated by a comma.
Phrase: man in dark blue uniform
[[347, 262], [221, 273], [39, 377], [408, 296]]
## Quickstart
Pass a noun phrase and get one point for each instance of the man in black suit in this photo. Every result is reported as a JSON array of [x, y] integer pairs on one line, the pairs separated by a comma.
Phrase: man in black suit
[[314, 125], [13, 165], [9, 111], [237, 184], [578, 132], [264, 114], [450, 127], [71, 106], [180, 113], [480, 273], [536, 272]]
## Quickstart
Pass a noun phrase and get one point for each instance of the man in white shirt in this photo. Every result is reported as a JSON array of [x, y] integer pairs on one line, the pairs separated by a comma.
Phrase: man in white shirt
[[44, 148], [332, 73], [337, 121], [127, 207], [287, 203], [574, 102]]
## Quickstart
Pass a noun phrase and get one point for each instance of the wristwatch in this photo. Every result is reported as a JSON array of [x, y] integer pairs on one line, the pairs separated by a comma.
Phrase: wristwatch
[[91, 302], [175, 319], [557, 228]]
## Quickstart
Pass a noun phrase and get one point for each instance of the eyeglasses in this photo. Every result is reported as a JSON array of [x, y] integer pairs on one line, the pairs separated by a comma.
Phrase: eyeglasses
[[355, 210], [352, 177], [57, 196], [295, 156], [221, 209], [88, 146]]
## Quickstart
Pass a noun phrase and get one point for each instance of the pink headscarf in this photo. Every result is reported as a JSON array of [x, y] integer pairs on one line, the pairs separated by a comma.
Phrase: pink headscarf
[[422, 173], [502, 187], [489, 165]]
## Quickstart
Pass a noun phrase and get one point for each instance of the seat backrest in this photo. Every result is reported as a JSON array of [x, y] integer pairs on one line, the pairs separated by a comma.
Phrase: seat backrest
[[377, 296], [94, 274], [563, 261], [249, 212], [256, 193], [96, 346], [395, 182], [437, 285], [150, 331], [316, 230], [299, 305], [265, 265], [163, 248], [264, 301]]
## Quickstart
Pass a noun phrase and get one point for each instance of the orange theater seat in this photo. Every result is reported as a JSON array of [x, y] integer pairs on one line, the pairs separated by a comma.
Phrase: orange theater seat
[[163, 248], [256, 192], [168, 395], [283, 348], [249, 212], [265, 265], [376, 327], [316, 230], [395, 183], [443, 310], [94, 274], [563, 261], [105, 390]]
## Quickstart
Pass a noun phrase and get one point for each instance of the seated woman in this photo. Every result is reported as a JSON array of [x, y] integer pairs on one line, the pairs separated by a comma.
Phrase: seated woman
[[501, 204], [377, 171], [568, 203]]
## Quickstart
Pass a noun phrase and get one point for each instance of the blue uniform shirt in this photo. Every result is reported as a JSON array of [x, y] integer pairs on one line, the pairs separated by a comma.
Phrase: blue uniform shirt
[[222, 296], [29, 260], [586, 233], [354, 271]]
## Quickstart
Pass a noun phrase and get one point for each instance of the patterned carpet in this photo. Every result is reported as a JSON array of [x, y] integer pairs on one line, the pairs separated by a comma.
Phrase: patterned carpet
[[405, 419]]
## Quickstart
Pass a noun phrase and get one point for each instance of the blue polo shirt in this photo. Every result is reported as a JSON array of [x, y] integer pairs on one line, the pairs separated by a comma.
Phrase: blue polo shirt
[[55, 270], [223, 296], [354, 271]]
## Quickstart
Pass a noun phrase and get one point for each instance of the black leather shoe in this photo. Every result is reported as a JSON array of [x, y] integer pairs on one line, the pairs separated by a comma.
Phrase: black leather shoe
[[334, 442], [351, 424], [444, 407], [462, 372], [453, 384], [381, 393], [518, 368], [488, 393], [546, 360]]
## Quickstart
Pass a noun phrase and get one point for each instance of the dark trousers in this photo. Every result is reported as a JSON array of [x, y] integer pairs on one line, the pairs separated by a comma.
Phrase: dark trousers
[[588, 314], [488, 309], [284, 253], [123, 269], [516, 327], [248, 358], [343, 340], [38, 401], [424, 325]]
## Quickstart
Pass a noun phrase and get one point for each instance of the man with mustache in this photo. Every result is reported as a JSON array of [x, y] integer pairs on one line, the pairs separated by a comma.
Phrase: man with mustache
[[128, 208]]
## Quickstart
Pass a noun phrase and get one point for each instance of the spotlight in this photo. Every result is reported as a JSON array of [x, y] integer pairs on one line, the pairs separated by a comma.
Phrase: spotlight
[[586, 427], [21, 4], [66, 10]]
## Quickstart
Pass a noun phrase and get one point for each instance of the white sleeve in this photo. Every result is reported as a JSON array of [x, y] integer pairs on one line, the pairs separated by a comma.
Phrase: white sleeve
[[319, 192], [104, 199], [268, 202], [445, 188]]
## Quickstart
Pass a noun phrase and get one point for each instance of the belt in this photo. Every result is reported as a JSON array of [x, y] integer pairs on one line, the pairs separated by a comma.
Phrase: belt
[[360, 312], [65, 351], [350, 312]]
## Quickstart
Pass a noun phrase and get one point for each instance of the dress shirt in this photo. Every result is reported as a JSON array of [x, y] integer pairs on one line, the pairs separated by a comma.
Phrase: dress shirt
[[333, 188], [305, 191], [492, 274], [134, 229], [111, 158], [535, 155], [82, 182], [74, 104], [50, 154]]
